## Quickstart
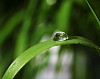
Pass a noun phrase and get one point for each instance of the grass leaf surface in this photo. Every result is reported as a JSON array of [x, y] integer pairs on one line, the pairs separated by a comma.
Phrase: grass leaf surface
[[30, 53]]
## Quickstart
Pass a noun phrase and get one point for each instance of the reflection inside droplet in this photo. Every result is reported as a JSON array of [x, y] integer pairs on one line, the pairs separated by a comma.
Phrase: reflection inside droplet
[[60, 36]]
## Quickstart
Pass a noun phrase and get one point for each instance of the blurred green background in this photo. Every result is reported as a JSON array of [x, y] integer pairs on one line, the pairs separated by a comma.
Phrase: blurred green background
[[24, 23]]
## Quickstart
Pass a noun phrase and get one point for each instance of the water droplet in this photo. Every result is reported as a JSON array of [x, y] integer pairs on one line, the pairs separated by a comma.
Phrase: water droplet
[[60, 36]]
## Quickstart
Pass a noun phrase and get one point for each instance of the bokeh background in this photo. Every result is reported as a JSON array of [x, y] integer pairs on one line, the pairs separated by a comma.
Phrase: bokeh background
[[24, 23]]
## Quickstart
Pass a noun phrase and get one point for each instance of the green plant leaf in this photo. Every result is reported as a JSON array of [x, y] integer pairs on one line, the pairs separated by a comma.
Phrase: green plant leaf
[[63, 15], [93, 12], [30, 53]]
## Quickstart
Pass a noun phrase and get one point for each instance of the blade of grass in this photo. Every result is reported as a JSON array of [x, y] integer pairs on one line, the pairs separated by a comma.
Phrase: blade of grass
[[93, 12], [36, 36], [63, 15], [26, 56]]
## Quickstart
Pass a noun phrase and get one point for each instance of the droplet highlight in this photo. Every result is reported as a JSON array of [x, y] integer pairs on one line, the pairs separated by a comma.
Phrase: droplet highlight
[[60, 36]]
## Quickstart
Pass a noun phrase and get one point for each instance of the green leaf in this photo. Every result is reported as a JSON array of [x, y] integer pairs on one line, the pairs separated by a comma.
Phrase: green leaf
[[63, 15], [93, 12], [30, 53]]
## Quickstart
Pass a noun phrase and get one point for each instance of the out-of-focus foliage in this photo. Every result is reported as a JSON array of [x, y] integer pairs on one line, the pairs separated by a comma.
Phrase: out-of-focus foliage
[[24, 23]]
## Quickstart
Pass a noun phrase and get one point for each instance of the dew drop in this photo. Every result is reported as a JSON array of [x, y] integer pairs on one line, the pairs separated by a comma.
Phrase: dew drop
[[60, 36]]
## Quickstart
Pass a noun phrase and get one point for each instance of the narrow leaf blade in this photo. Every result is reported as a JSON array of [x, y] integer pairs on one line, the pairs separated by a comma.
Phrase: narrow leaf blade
[[30, 53], [93, 12]]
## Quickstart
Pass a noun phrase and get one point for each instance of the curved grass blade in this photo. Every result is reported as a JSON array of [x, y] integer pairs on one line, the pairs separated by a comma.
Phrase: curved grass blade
[[93, 12], [26, 56]]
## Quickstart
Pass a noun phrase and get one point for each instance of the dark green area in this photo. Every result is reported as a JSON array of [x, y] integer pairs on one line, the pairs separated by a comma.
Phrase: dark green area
[[23, 23]]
